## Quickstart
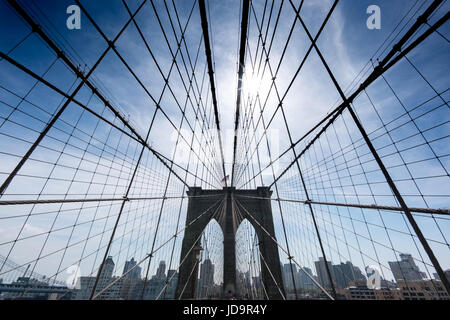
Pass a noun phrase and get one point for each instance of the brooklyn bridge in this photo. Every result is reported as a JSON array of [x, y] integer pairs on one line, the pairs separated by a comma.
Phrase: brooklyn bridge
[[242, 149]]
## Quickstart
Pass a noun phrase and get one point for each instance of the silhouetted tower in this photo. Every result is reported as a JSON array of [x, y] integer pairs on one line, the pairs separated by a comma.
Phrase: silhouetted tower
[[257, 211]]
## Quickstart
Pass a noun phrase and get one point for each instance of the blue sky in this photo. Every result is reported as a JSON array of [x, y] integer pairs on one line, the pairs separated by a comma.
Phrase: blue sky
[[347, 45]]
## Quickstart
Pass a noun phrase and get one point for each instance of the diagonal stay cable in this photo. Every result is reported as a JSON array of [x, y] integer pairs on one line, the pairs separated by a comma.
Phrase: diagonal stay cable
[[242, 49], [380, 69], [218, 209], [157, 249], [260, 254], [355, 205], [84, 81], [139, 80], [347, 106], [211, 78], [285, 251]]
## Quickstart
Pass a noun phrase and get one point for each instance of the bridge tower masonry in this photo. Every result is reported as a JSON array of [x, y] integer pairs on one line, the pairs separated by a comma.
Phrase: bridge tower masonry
[[220, 203]]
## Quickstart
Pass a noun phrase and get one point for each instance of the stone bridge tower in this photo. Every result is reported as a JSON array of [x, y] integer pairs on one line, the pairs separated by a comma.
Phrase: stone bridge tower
[[259, 209]]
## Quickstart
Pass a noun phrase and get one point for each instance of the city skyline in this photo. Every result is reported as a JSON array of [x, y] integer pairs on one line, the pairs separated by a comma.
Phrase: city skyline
[[348, 283]]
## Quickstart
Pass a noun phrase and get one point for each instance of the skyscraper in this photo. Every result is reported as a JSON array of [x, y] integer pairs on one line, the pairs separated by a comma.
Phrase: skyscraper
[[108, 268], [104, 280], [135, 273], [406, 269], [161, 271], [206, 281], [172, 276], [345, 272], [436, 276], [303, 281], [322, 274], [287, 275]]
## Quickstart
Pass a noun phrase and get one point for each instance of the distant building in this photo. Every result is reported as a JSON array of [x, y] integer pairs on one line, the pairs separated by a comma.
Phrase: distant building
[[161, 271], [86, 284], [108, 268], [288, 274], [256, 282], [344, 273], [131, 286], [423, 290], [406, 269], [303, 281], [358, 290], [154, 288], [407, 290], [131, 280], [207, 272], [243, 284], [206, 280], [135, 273], [322, 274], [26, 288], [169, 292], [447, 274]]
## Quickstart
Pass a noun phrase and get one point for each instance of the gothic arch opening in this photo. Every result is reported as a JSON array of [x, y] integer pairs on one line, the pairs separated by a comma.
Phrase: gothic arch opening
[[248, 264], [224, 207], [210, 269]]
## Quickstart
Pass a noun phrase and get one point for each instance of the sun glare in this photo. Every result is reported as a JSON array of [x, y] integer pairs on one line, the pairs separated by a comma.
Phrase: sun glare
[[254, 84]]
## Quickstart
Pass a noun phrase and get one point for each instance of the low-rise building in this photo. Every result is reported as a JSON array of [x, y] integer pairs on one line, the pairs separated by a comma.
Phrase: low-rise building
[[358, 290], [407, 290], [423, 290]]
